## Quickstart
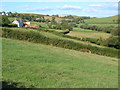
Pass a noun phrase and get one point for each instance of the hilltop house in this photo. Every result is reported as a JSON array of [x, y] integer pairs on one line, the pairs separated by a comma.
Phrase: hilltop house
[[24, 24], [4, 13], [18, 22]]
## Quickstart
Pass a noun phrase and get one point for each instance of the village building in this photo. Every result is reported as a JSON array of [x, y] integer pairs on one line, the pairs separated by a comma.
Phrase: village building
[[18, 22], [7, 14], [31, 25], [24, 24], [3, 13]]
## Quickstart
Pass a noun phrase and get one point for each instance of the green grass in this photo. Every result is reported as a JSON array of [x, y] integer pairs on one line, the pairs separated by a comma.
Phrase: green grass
[[42, 66], [42, 24], [11, 19], [82, 33], [100, 25], [105, 20]]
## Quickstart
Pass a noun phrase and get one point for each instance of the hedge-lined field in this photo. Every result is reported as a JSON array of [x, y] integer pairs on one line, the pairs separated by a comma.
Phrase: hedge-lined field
[[30, 65], [82, 33], [52, 39]]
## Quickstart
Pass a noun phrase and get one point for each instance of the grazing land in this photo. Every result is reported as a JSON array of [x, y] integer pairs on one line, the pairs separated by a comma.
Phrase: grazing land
[[105, 20], [59, 52], [82, 33], [43, 66]]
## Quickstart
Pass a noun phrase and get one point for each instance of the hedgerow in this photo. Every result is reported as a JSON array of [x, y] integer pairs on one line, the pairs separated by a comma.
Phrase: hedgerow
[[37, 37]]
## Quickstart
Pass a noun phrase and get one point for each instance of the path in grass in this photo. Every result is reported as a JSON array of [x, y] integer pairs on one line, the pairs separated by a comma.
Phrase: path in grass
[[45, 66]]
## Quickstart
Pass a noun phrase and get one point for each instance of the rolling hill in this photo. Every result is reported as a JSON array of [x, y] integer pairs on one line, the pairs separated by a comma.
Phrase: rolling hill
[[28, 64], [105, 20]]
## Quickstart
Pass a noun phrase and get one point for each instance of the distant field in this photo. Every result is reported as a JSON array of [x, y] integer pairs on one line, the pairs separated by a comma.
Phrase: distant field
[[106, 20], [51, 35], [11, 19], [101, 25], [104, 25], [42, 24], [34, 65], [81, 33]]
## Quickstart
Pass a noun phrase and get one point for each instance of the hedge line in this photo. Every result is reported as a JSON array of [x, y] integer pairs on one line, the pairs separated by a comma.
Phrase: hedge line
[[69, 44], [107, 29]]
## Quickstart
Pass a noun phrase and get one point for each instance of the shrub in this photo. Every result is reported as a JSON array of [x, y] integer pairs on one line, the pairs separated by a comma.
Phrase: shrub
[[37, 37]]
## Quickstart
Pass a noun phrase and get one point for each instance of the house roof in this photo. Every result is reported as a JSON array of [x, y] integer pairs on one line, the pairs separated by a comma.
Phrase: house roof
[[31, 25]]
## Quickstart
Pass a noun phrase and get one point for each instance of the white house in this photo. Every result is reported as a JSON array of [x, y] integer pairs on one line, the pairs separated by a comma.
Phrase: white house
[[18, 22], [3, 13], [7, 14], [27, 23]]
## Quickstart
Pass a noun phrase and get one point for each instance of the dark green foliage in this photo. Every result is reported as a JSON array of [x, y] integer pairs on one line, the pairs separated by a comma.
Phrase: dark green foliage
[[61, 27], [5, 21], [113, 42], [12, 25], [39, 38]]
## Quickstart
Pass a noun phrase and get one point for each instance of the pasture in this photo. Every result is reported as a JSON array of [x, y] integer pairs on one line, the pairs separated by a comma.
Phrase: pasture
[[42, 66], [104, 20], [83, 33]]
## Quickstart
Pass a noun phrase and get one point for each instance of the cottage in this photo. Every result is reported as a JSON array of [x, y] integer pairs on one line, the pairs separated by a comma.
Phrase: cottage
[[18, 22], [8, 14], [3, 13]]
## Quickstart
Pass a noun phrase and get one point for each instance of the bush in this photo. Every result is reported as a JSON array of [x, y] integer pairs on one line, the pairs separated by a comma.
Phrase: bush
[[12, 25], [5, 21], [39, 38], [113, 42]]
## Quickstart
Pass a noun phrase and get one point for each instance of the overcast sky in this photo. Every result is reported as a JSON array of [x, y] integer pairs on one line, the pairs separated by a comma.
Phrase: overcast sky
[[93, 8]]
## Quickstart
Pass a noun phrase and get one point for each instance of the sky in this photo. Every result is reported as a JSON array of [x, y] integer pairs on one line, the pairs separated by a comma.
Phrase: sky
[[94, 8]]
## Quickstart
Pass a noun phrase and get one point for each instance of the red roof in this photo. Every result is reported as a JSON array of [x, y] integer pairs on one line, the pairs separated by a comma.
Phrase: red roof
[[25, 23], [31, 25]]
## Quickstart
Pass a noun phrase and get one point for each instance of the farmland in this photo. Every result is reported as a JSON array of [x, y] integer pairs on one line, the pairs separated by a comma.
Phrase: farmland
[[38, 67], [105, 20], [82, 33], [60, 52]]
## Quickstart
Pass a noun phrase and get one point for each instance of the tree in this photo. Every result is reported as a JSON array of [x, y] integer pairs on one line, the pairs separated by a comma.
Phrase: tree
[[5, 21]]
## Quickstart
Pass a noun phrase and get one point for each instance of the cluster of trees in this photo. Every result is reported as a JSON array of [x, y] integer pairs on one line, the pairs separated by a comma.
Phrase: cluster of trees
[[30, 17], [5, 22], [61, 25]]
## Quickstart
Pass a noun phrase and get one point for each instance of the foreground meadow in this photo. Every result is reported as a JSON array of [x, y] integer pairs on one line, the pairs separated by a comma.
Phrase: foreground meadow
[[28, 64]]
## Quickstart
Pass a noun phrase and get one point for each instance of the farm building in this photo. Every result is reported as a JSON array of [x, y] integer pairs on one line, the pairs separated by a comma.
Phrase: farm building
[[18, 22], [31, 25], [3, 13], [24, 24]]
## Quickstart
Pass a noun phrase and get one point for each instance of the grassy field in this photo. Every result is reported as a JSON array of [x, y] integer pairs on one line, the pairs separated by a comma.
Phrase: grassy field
[[41, 24], [11, 19], [99, 25], [82, 33], [105, 20], [42, 66]]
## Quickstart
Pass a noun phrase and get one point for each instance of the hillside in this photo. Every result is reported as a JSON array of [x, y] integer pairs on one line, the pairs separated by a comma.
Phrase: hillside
[[105, 20], [27, 64]]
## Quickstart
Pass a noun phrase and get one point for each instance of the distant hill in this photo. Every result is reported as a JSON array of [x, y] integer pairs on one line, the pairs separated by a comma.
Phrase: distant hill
[[105, 20]]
